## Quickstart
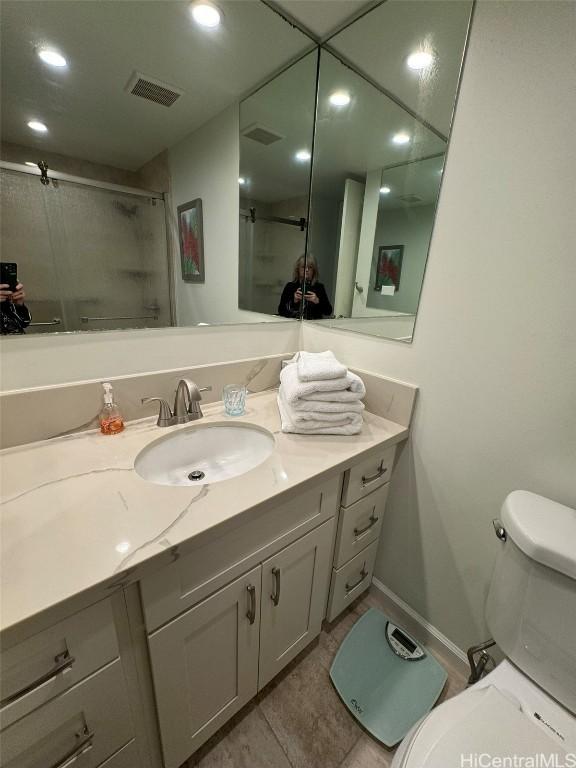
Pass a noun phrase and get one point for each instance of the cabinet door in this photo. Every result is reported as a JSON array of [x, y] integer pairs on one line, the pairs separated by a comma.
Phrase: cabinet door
[[205, 666], [294, 591]]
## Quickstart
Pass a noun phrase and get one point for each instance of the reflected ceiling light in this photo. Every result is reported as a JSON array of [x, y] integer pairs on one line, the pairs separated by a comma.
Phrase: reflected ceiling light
[[303, 155], [241, 180], [339, 99], [401, 138], [123, 547], [385, 190], [419, 60], [32, 165], [206, 15], [53, 58], [37, 126]]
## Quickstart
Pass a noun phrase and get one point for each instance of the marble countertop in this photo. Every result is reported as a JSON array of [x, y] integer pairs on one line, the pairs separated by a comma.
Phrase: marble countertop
[[75, 514]]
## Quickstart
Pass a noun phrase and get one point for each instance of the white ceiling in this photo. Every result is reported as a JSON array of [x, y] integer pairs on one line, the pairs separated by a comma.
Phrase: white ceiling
[[380, 42], [322, 16], [86, 107]]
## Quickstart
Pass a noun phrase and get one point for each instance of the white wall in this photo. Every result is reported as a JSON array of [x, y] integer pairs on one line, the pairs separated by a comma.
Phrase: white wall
[[37, 361], [410, 227], [495, 343], [205, 165]]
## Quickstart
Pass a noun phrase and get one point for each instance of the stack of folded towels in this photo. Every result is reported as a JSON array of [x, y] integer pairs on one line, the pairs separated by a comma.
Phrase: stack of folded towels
[[320, 396]]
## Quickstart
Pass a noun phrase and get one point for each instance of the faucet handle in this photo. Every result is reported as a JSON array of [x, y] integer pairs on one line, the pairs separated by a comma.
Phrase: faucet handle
[[165, 415]]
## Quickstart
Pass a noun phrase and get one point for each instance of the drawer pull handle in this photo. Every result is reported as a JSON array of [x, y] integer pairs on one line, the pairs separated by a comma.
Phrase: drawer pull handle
[[251, 615], [359, 531], [380, 472], [84, 746], [363, 574], [63, 661], [276, 593]]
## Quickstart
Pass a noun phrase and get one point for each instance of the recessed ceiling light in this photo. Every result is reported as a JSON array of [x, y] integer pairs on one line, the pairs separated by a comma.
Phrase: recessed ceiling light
[[53, 58], [37, 126], [401, 138], [241, 180], [123, 547], [384, 190], [303, 155], [206, 15], [340, 99], [32, 165], [419, 60]]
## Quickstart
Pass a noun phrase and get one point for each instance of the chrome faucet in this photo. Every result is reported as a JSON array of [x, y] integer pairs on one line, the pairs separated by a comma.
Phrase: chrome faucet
[[186, 404]]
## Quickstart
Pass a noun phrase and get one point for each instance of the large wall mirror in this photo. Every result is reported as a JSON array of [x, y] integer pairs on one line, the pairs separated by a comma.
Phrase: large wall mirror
[[131, 110], [272, 163], [386, 94]]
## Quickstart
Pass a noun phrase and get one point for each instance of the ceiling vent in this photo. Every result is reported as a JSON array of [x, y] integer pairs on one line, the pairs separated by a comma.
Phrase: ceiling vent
[[261, 134], [411, 199], [153, 90]]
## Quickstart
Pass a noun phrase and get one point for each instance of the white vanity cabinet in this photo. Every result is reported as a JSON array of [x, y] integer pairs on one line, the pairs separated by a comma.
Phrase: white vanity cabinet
[[210, 661], [205, 666], [64, 695], [364, 494]]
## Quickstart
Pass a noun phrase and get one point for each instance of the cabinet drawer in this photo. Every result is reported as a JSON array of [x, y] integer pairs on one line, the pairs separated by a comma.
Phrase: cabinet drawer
[[360, 525], [83, 726], [223, 558], [351, 580], [368, 475], [46, 664]]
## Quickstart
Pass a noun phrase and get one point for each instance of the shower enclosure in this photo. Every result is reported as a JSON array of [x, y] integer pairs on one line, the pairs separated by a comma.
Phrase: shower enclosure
[[90, 256]]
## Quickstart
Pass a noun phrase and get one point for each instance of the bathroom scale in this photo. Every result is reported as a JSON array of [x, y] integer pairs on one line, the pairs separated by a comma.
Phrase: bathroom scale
[[387, 680]]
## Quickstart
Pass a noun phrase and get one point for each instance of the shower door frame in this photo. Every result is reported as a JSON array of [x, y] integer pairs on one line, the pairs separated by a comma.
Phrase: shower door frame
[[110, 186]]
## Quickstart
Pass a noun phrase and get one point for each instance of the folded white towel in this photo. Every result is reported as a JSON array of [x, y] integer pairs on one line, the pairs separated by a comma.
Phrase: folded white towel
[[351, 425], [294, 389], [323, 406], [319, 366]]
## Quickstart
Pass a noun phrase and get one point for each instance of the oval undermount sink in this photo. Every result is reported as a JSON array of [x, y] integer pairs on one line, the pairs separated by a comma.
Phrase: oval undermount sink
[[200, 455]]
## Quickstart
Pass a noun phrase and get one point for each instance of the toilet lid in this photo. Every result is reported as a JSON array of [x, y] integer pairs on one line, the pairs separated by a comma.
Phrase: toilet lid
[[478, 723]]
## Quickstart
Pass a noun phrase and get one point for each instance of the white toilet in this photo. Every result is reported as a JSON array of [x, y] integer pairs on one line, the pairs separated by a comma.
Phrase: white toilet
[[526, 707]]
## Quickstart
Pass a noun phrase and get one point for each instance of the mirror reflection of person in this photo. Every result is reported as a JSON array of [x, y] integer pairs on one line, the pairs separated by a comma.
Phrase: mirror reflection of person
[[314, 297], [14, 314]]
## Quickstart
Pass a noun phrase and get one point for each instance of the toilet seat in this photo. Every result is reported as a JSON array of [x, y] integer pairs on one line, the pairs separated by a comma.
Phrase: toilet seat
[[501, 717]]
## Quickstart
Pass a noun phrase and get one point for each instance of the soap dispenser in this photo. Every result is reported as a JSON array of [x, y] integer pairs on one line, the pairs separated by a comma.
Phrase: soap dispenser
[[111, 421]]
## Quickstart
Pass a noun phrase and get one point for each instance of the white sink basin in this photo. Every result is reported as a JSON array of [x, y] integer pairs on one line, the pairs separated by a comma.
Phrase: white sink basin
[[199, 455]]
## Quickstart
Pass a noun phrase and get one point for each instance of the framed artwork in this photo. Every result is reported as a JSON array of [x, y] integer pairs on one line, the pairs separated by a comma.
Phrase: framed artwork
[[389, 266], [191, 241]]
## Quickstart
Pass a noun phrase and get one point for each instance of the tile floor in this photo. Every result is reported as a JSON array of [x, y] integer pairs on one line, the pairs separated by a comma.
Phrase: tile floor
[[298, 721]]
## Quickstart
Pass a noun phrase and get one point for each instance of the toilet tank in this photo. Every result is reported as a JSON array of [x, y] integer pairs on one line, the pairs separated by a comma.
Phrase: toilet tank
[[531, 605]]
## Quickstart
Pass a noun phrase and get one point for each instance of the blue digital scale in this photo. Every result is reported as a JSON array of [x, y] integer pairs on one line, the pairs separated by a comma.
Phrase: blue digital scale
[[385, 678]]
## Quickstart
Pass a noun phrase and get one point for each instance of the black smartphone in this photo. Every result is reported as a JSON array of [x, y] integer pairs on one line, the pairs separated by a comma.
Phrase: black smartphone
[[307, 287], [9, 274]]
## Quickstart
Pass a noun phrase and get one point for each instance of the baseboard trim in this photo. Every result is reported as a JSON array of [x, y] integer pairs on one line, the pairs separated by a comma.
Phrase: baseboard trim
[[429, 629]]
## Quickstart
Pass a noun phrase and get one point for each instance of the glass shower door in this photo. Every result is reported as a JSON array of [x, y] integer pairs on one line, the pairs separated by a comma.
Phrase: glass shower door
[[28, 210], [113, 253]]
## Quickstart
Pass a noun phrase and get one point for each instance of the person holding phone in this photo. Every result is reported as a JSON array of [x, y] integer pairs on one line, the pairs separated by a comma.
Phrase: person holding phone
[[304, 294], [14, 314]]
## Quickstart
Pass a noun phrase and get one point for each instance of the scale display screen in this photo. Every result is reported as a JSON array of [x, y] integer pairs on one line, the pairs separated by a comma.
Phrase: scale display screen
[[403, 640]]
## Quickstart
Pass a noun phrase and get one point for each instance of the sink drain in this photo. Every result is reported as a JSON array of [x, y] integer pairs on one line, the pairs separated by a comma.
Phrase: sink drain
[[196, 475]]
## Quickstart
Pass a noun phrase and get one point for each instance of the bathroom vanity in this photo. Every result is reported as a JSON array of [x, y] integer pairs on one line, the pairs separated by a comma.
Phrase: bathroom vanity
[[138, 617]]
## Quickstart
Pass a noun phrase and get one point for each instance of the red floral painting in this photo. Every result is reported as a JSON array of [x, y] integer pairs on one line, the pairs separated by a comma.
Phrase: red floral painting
[[191, 241], [389, 266]]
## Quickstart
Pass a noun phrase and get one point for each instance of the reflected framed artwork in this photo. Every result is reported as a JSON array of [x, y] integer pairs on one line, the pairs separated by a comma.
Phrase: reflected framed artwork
[[389, 267], [191, 241]]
